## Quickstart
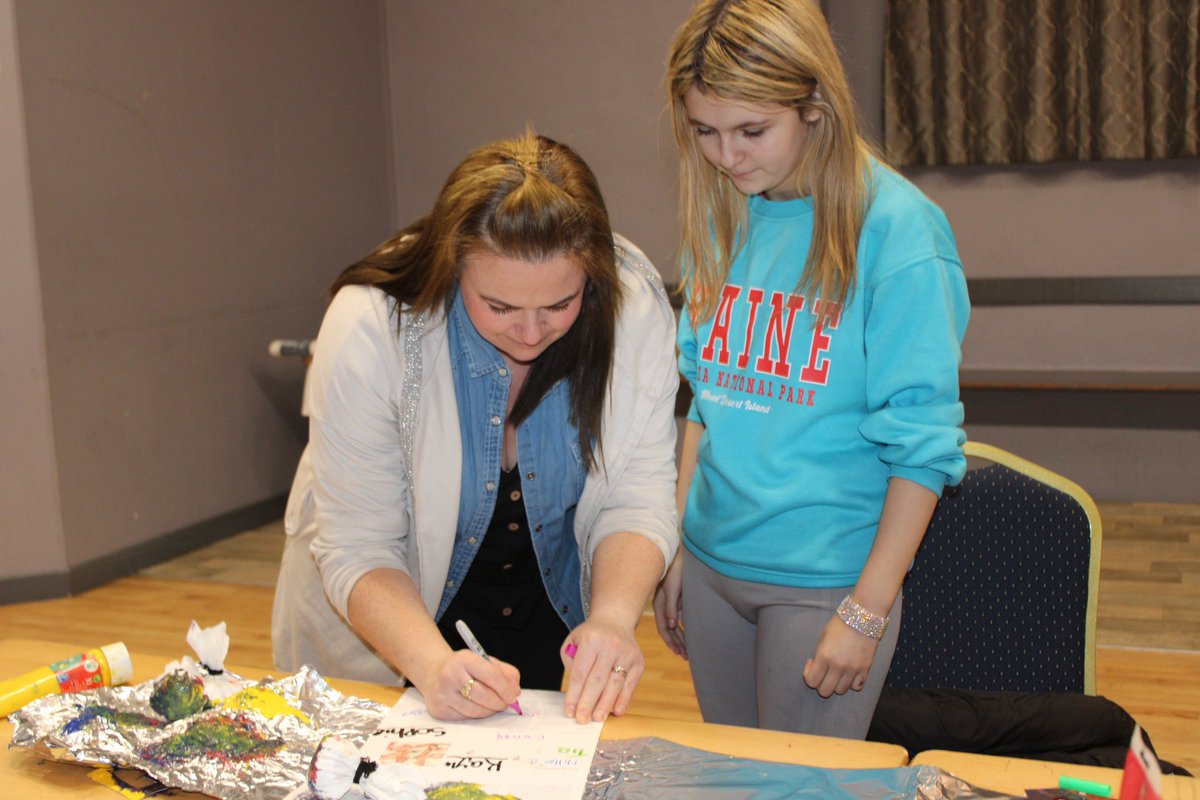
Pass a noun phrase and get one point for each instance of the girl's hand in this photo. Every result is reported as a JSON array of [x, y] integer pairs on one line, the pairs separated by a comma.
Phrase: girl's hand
[[842, 660], [603, 671], [668, 608], [466, 686]]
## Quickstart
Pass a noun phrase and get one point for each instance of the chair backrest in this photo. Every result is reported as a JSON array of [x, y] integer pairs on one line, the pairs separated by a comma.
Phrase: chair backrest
[[1002, 592]]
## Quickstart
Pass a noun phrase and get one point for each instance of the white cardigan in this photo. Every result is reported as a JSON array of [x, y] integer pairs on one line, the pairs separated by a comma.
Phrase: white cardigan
[[353, 509]]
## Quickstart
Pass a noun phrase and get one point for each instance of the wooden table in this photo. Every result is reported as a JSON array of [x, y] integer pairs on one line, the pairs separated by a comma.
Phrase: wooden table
[[25, 774], [1015, 775]]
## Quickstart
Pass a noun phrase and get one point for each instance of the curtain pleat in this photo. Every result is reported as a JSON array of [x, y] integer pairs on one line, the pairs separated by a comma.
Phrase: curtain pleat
[[995, 82]]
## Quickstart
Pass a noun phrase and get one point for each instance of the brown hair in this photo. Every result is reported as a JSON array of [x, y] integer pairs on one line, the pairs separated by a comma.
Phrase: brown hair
[[527, 198], [767, 52]]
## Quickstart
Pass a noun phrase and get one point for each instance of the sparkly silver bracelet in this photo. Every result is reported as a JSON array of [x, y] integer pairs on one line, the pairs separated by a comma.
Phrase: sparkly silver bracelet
[[861, 620]]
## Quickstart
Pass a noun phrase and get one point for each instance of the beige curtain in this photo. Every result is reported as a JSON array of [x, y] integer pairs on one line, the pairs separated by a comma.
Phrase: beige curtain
[[1010, 81]]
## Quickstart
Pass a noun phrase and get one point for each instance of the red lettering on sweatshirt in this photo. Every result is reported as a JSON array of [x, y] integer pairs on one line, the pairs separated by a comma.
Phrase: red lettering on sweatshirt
[[755, 297], [720, 328], [779, 334], [828, 314]]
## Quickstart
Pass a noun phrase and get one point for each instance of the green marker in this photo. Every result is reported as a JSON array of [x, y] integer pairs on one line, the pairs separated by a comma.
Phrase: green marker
[[1087, 787]]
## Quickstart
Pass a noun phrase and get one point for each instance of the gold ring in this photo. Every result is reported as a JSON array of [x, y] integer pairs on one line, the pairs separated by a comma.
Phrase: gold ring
[[465, 691], [620, 670]]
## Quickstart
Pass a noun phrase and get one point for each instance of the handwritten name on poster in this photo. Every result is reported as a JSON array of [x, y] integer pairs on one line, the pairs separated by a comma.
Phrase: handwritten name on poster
[[540, 755]]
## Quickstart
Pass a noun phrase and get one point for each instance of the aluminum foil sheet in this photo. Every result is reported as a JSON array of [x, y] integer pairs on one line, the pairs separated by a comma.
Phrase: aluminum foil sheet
[[654, 769], [257, 746], [260, 744]]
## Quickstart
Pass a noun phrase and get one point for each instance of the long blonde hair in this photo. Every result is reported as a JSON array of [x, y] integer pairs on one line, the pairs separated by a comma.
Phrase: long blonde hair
[[767, 52]]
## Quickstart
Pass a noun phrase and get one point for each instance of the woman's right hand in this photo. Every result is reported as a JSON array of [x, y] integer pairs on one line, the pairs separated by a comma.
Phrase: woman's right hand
[[465, 686], [668, 607]]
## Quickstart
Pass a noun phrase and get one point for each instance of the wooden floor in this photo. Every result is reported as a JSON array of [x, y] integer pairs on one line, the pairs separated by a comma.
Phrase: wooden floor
[[1148, 622], [1150, 576]]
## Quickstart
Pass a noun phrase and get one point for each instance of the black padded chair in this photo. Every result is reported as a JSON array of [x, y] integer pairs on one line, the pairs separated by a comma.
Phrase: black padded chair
[[1002, 592], [997, 650]]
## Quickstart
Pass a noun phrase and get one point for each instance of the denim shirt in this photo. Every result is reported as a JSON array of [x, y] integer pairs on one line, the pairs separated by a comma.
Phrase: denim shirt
[[552, 471]]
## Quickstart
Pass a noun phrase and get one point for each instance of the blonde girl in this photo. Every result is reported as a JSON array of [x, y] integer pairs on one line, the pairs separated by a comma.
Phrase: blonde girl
[[825, 305]]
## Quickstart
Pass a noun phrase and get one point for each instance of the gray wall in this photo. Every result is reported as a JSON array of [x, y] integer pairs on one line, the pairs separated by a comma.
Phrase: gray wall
[[182, 179], [197, 172], [584, 72], [30, 525]]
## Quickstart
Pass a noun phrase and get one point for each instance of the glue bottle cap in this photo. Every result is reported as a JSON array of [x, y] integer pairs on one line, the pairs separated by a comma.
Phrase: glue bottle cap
[[119, 663]]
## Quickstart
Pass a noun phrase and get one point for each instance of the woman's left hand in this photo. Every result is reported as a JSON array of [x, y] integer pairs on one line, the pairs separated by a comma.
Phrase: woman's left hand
[[842, 660], [603, 672]]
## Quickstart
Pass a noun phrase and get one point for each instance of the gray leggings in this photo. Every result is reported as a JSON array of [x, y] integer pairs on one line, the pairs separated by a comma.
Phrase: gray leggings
[[747, 645]]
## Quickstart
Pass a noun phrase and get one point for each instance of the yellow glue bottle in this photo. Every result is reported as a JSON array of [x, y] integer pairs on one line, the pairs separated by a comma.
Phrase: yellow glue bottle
[[101, 666]]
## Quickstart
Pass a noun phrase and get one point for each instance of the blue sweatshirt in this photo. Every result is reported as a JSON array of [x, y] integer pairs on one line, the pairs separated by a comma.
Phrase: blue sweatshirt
[[810, 408]]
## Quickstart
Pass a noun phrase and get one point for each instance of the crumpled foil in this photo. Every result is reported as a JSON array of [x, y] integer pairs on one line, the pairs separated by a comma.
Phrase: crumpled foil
[[279, 746], [66, 728], [649, 768]]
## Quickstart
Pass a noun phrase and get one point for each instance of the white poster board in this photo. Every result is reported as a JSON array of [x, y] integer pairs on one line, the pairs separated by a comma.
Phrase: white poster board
[[540, 755]]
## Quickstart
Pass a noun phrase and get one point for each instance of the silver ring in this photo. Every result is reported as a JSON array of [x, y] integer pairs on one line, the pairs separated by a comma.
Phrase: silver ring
[[619, 670], [465, 691]]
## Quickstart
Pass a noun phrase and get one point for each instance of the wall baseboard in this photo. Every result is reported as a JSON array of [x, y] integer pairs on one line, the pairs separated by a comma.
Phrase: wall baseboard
[[28, 588], [99, 571]]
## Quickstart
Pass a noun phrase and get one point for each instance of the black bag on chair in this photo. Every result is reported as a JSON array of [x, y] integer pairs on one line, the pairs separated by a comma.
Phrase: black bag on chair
[[1048, 726]]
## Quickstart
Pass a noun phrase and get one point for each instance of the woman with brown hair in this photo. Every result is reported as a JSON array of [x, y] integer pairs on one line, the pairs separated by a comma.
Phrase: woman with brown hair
[[491, 440]]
